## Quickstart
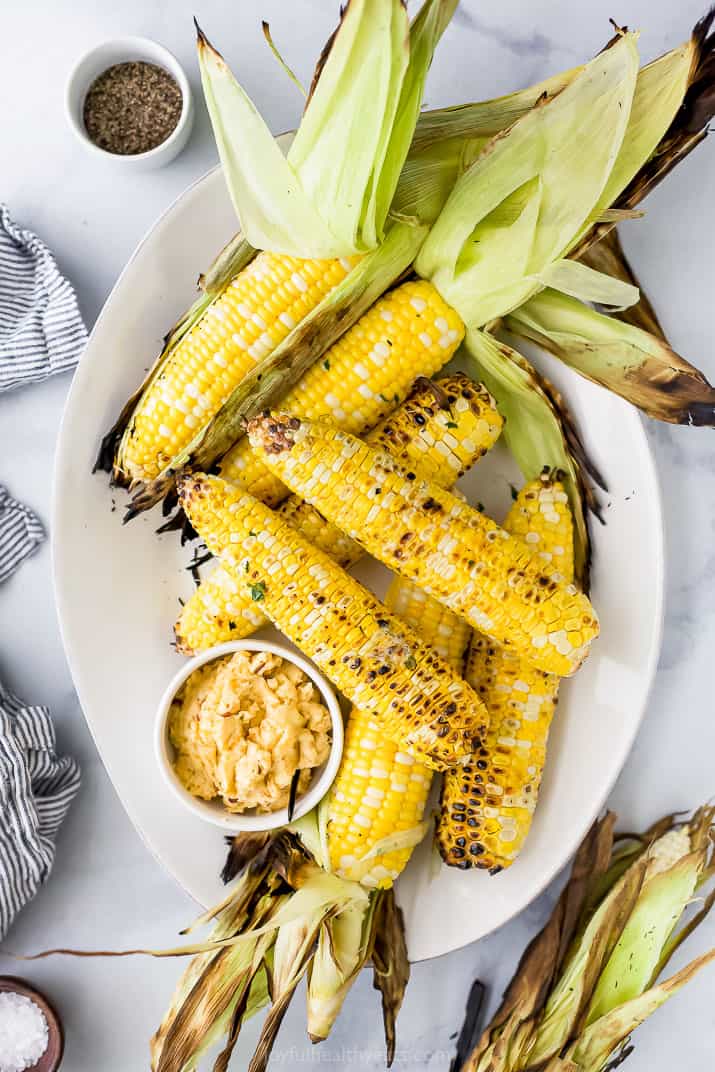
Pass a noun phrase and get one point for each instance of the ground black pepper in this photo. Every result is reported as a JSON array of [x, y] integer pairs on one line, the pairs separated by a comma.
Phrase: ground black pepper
[[132, 107]]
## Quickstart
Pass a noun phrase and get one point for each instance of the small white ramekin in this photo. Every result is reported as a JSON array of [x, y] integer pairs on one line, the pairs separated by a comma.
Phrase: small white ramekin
[[122, 50], [213, 811]]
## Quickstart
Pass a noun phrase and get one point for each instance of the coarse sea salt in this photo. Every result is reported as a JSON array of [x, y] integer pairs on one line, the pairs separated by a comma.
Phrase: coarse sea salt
[[23, 1032]]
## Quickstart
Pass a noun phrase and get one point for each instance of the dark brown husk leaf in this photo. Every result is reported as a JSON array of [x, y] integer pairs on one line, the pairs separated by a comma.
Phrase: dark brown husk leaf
[[390, 964]]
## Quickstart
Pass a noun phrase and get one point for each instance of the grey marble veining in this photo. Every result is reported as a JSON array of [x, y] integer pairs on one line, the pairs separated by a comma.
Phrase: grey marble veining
[[106, 889]]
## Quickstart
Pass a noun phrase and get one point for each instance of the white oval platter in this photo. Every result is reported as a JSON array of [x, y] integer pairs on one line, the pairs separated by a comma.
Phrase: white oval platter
[[118, 587]]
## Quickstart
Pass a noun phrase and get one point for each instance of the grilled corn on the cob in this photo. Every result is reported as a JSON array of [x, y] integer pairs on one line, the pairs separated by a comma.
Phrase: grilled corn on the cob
[[242, 325], [442, 429], [487, 807], [380, 790], [429, 535], [376, 661], [409, 332]]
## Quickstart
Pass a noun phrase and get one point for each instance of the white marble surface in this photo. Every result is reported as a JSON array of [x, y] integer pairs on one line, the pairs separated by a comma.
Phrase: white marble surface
[[106, 889]]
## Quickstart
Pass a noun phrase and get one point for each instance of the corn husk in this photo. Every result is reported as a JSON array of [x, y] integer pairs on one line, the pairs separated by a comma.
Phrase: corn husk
[[637, 365], [687, 130], [607, 255], [529, 193], [446, 143], [344, 946], [591, 976], [329, 196], [282, 368], [390, 965], [660, 90], [538, 431]]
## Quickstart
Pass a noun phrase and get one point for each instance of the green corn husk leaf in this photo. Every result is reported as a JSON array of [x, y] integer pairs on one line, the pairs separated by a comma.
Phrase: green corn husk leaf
[[660, 90], [282, 368], [578, 280], [538, 431], [688, 129], [637, 365], [330, 195], [344, 945], [286, 68], [676, 862], [529, 192], [390, 964], [602, 1038], [484, 119]]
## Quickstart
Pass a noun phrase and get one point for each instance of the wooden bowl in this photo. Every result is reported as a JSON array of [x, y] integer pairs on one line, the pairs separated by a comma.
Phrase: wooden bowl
[[52, 1057]]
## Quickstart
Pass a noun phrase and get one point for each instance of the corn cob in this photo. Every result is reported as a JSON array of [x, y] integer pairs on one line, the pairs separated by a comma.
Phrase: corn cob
[[242, 325], [487, 808], [380, 790], [442, 429], [376, 661], [409, 332], [429, 535]]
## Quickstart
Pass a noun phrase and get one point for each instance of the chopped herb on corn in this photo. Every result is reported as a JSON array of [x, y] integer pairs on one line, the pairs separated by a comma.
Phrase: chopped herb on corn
[[409, 332], [441, 430], [375, 660], [487, 807], [255, 312], [427, 534]]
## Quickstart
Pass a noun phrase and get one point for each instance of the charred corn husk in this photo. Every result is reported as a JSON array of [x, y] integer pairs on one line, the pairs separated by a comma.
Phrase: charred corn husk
[[487, 809], [595, 972], [376, 661], [409, 332], [429, 535], [253, 314], [380, 792], [441, 430]]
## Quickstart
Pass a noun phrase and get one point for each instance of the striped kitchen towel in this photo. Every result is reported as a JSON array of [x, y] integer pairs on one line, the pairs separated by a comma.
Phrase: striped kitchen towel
[[36, 785], [36, 788], [21, 533], [41, 332], [41, 328]]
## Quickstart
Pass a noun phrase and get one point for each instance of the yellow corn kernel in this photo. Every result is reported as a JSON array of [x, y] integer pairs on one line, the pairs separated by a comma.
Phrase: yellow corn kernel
[[487, 807], [379, 789], [254, 313], [375, 660], [441, 430], [452, 551], [409, 332]]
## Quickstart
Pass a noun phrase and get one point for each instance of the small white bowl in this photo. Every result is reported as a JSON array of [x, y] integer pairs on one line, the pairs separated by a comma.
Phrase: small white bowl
[[213, 811], [122, 50]]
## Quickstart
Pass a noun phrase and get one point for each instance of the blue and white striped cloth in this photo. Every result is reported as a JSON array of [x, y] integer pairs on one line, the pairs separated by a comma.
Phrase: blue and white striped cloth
[[36, 789], [41, 332], [41, 328], [21, 533]]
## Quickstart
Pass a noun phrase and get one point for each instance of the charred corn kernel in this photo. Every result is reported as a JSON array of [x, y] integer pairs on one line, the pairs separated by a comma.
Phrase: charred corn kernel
[[243, 325], [427, 534], [379, 790], [376, 661], [441, 430], [487, 808], [409, 332]]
